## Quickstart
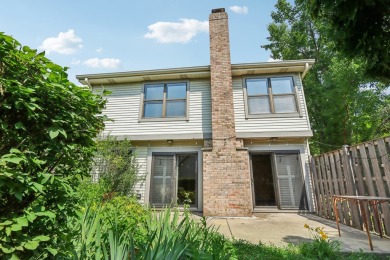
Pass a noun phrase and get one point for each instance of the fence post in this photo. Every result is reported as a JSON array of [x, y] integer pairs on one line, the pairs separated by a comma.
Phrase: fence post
[[349, 180]]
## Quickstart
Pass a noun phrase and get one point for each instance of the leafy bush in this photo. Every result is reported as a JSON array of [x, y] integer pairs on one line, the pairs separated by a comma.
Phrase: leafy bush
[[89, 192], [48, 128], [115, 163], [126, 215]]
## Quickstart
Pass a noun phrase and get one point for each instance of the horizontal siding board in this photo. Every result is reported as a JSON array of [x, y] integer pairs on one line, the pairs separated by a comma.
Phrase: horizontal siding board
[[266, 124], [142, 158], [123, 107]]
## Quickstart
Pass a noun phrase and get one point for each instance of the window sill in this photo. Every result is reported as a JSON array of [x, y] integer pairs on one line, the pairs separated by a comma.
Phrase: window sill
[[165, 119], [279, 115]]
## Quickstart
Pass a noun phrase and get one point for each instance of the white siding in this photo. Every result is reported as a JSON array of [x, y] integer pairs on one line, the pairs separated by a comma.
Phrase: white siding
[[123, 107], [142, 160], [267, 124]]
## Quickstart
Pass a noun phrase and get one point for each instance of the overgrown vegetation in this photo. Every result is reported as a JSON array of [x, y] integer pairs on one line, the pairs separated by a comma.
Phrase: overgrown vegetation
[[47, 131], [115, 164], [345, 105]]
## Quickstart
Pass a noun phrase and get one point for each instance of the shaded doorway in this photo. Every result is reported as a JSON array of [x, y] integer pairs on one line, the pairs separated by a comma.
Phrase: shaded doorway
[[263, 180]]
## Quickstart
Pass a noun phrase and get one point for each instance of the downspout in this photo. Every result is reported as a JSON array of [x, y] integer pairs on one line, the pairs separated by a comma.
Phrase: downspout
[[89, 84], [306, 70]]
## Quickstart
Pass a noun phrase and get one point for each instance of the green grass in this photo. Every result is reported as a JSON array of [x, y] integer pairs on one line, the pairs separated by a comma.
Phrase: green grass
[[308, 250]]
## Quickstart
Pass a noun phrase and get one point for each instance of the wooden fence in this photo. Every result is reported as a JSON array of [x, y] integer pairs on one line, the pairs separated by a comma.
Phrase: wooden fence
[[363, 170]]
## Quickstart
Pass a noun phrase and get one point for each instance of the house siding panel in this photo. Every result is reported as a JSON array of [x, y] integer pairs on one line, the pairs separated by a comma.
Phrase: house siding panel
[[142, 161], [267, 124], [123, 107]]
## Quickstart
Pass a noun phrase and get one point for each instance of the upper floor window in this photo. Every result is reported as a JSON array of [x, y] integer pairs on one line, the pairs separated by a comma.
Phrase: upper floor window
[[274, 96], [165, 100]]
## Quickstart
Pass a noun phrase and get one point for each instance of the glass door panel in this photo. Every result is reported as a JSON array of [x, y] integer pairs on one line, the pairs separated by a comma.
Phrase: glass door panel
[[187, 183]]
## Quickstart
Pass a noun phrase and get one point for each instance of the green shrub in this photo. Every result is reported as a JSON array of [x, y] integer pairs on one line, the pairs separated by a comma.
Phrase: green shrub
[[48, 128], [116, 164], [89, 192], [127, 215]]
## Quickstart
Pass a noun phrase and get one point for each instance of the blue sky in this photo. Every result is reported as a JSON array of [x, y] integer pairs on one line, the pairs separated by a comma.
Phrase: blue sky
[[118, 35]]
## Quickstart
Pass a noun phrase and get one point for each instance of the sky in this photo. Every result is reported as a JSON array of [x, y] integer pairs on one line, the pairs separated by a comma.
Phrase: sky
[[101, 36]]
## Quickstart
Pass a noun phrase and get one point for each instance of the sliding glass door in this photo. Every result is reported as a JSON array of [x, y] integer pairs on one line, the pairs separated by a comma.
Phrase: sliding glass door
[[174, 179]]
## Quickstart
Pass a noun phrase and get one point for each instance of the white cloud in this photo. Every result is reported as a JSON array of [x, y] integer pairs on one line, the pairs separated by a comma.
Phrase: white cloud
[[271, 59], [182, 32], [65, 43], [102, 63], [239, 9], [99, 50], [75, 62]]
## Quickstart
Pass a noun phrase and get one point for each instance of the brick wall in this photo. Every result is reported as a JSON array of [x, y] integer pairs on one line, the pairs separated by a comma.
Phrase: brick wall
[[226, 177]]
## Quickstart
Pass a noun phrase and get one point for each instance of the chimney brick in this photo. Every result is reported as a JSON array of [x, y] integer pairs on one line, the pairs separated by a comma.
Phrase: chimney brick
[[226, 177]]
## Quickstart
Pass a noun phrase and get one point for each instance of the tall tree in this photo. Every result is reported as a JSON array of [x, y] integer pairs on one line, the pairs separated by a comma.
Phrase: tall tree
[[360, 29], [336, 91]]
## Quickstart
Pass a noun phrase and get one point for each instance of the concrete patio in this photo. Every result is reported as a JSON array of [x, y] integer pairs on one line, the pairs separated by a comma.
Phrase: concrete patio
[[280, 229]]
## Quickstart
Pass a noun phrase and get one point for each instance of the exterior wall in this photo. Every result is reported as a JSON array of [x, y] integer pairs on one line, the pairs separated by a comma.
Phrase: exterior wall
[[123, 107], [142, 160], [267, 124], [304, 158]]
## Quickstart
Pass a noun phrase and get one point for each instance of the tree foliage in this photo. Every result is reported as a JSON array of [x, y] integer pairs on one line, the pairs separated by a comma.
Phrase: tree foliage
[[342, 103], [47, 131], [359, 29]]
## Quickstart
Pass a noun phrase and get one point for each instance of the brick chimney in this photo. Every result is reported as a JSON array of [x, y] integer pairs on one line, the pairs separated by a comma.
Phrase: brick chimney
[[226, 177]]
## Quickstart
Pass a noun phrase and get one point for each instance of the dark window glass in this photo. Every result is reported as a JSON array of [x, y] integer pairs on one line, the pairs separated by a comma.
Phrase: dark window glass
[[176, 108], [176, 91], [259, 105], [165, 100], [285, 104], [154, 92], [271, 95], [153, 109], [282, 85], [257, 87]]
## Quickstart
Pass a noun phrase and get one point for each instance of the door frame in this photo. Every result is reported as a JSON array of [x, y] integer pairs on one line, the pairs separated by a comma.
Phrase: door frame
[[273, 154], [174, 150]]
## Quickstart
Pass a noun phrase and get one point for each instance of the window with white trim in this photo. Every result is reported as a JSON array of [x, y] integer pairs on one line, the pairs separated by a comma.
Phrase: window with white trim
[[271, 96], [165, 100]]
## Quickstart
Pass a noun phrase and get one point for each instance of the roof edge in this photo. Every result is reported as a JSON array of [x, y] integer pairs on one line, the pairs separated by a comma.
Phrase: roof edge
[[196, 69]]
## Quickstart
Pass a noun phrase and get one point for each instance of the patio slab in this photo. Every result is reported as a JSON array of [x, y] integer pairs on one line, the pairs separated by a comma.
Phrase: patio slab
[[280, 229]]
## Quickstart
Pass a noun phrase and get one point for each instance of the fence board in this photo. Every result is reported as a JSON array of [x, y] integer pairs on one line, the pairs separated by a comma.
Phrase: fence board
[[342, 188], [330, 182], [367, 173], [359, 178], [322, 189], [379, 183], [325, 184], [336, 186], [316, 186], [350, 185], [363, 169]]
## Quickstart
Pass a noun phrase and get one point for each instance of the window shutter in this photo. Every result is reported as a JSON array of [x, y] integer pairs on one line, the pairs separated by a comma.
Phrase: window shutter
[[290, 183]]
